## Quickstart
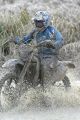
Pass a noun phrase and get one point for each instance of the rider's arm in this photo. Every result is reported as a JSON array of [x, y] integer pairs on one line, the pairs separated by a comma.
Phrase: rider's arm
[[58, 39], [26, 39]]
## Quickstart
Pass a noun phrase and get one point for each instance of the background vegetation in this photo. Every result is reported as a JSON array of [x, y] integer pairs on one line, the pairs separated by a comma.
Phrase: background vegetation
[[65, 16], [16, 18], [13, 24]]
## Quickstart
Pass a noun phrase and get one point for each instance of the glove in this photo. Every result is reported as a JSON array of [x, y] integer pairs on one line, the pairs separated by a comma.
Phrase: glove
[[14, 40], [49, 44]]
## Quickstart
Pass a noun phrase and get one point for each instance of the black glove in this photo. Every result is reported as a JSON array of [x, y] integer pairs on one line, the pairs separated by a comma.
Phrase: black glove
[[47, 43]]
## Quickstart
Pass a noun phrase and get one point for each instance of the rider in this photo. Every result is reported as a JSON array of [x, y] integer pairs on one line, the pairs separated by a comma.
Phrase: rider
[[45, 31]]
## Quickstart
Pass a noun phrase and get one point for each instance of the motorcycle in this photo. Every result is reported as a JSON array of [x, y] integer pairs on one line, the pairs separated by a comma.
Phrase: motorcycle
[[26, 74]]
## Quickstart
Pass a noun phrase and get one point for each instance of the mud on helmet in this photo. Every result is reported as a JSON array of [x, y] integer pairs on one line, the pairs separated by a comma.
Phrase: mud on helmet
[[42, 19]]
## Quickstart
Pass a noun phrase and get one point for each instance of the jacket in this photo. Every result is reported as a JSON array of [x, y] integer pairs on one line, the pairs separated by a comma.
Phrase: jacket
[[49, 33]]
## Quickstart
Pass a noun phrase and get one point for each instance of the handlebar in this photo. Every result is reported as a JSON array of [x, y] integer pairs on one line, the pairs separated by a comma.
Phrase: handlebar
[[47, 43]]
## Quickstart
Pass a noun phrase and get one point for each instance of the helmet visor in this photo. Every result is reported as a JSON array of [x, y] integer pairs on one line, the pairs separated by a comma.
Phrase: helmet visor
[[39, 23]]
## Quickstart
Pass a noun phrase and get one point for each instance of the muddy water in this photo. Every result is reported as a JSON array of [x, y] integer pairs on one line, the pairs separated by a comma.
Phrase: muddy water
[[53, 104]]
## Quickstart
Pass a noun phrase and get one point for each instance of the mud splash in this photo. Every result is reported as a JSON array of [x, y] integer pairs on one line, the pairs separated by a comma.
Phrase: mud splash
[[54, 103]]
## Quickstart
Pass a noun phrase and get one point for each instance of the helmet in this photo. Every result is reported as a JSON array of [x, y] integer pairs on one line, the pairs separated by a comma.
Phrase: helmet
[[42, 19]]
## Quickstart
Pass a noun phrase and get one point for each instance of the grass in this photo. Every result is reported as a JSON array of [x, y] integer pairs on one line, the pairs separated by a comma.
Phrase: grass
[[13, 24], [69, 29], [66, 22]]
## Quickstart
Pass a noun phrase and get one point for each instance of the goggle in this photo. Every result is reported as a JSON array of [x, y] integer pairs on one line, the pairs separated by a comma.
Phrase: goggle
[[39, 23]]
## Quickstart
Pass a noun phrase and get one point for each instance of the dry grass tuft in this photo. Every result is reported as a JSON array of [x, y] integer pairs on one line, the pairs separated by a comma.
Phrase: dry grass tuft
[[69, 28], [13, 24]]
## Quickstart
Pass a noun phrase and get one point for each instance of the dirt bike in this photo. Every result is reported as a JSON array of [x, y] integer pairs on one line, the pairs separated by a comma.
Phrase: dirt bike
[[27, 73], [19, 70]]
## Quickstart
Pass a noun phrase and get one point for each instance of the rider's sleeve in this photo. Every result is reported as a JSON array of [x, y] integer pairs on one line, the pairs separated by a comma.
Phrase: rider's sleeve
[[58, 39], [28, 38]]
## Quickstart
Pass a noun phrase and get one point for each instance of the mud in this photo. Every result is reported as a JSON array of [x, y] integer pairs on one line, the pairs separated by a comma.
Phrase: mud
[[53, 104]]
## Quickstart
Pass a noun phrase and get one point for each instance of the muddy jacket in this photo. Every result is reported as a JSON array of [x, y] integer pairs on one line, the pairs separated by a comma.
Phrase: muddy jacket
[[50, 33]]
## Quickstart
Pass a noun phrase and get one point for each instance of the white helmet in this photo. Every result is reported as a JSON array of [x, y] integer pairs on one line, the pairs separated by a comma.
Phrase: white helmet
[[42, 19]]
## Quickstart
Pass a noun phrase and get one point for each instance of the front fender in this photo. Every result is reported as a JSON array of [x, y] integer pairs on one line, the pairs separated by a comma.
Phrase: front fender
[[12, 63]]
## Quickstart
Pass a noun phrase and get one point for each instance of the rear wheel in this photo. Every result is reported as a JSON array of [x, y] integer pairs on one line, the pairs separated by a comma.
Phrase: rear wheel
[[66, 83]]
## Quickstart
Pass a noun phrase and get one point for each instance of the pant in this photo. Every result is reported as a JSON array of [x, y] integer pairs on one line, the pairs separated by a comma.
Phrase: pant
[[47, 68]]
